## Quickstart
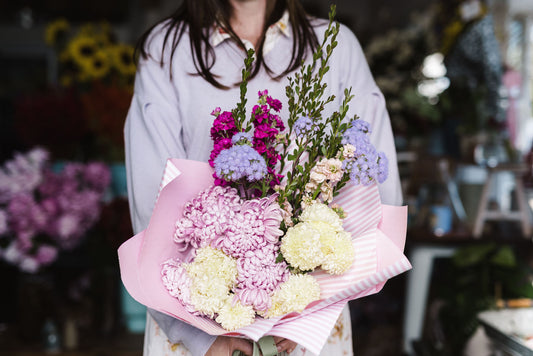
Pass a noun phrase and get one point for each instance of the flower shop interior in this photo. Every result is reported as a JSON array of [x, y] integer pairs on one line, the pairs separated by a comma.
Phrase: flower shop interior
[[457, 76]]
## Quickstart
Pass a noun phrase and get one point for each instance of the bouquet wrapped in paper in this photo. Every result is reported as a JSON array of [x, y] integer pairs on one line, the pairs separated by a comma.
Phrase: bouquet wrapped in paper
[[280, 229]]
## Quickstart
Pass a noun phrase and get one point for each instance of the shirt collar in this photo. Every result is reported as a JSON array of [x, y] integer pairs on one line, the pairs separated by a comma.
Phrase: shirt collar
[[281, 27]]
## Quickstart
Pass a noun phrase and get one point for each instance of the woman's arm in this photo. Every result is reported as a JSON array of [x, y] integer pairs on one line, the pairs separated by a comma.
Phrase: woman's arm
[[152, 135]]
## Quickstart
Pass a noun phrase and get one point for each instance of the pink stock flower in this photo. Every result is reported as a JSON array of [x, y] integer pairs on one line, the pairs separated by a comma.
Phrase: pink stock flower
[[274, 103], [223, 126]]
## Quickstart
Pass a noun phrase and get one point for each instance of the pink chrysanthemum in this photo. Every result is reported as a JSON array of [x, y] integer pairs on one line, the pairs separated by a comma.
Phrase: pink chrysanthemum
[[177, 282], [255, 226], [206, 217], [258, 276]]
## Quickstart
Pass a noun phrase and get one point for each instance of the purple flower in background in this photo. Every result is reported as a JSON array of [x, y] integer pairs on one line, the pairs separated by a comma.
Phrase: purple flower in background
[[46, 254], [98, 176], [3, 222], [43, 211], [22, 174], [239, 162]]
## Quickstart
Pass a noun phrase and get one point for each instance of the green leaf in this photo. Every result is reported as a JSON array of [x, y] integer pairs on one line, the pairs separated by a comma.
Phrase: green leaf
[[504, 257], [472, 255]]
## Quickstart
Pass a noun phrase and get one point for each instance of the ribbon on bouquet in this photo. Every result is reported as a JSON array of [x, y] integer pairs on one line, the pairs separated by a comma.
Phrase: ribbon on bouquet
[[265, 346]]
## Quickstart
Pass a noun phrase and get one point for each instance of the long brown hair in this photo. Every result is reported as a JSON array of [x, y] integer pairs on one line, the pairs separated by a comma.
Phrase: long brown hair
[[199, 15]]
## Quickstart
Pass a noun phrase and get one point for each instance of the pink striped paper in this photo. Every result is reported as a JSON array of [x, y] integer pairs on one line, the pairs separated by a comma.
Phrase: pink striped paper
[[378, 233]]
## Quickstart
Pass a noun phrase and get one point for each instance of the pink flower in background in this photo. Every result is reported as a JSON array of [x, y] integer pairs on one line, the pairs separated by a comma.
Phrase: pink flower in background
[[3, 222], [98, 176], [22, 174], [42, 211]]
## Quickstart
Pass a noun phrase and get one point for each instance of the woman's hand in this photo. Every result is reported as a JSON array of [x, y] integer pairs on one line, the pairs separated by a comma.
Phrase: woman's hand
[[224, 346], [284, 344]]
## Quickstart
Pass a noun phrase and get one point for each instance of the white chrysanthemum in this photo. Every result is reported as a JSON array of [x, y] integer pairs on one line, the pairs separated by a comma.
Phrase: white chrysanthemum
[[213, 274], [301, 247], [233, 316], [294, 295], [321, 212], [338, 252]]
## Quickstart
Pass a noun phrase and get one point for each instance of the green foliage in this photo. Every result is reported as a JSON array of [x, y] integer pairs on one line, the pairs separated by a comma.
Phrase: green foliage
[[476, 275]]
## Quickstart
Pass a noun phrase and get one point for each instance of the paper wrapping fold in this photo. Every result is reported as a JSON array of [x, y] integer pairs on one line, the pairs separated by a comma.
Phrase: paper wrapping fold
[[378, 233]]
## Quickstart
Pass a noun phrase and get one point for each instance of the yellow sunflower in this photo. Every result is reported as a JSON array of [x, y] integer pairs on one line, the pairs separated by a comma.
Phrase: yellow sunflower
[[122, 59], [97, 66], [56, 31], [82, 49]]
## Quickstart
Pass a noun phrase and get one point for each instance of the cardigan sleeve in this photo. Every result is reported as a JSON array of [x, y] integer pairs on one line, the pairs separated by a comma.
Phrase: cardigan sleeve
[[368, 104], [152, 134]]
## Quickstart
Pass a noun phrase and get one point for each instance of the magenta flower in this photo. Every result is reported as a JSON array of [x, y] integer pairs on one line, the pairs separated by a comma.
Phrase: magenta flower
[[223, 126], [274, 104]]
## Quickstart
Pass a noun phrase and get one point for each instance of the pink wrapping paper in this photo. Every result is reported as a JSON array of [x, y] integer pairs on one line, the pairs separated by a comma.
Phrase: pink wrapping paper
[[378, 233]]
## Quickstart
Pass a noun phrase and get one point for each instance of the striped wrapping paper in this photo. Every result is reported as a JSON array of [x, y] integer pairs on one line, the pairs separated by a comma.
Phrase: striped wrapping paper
[[378, 233]]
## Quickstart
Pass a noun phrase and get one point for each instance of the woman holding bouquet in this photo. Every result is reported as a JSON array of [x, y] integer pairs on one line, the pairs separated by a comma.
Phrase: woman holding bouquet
[[189, 64]]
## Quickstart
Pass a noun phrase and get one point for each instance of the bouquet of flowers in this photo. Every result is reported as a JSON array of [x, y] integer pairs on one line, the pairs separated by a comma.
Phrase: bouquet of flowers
[[280, 229], [43, 212]]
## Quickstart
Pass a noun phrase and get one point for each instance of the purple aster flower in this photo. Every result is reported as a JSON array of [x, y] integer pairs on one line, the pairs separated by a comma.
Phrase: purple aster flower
[[242, 138], [239, 162], [218, 147], [383, 167], [303, 126], [367, 165], [361, 125]]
